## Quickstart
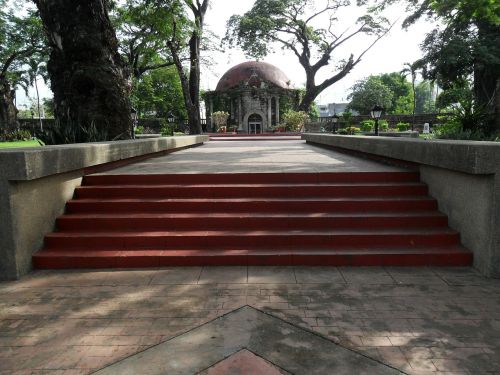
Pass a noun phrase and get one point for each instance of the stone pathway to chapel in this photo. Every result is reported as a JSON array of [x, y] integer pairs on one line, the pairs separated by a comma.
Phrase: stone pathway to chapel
[[254, 157], [420, 321]]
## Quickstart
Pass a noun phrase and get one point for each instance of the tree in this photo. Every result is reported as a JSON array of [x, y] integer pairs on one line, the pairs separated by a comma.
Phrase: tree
[[400, 88], [158, 92], [187, 19], [411, 69], [88, 77], [295, 120], [291, 24], [464, 48], [425, 99], [143, 30], [21, 41], [369, 92]]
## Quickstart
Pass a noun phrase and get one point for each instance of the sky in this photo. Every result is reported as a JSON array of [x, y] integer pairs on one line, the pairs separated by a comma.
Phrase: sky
[[388, 55]]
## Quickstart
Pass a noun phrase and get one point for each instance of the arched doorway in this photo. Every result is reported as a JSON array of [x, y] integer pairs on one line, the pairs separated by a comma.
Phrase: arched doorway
[[255, 124]]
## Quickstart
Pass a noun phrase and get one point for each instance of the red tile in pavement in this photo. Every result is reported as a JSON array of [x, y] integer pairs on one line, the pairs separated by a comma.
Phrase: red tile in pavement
[[243, 362]]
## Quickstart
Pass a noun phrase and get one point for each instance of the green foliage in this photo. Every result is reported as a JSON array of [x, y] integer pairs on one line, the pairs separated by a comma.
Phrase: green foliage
[[404, 105], [313, 112], [158, 93], [22, 54], [453, 130], [466, 115], [16, 135], [383, 125], [400, 88], [369, 92], [351, 130], [144, 29], [71, 132], [295, 120], [21, 41], [346, 119], [166, 129], [425, 98], [463, 47], [367, 125], [139, 130], [402, 126], [32, 143]]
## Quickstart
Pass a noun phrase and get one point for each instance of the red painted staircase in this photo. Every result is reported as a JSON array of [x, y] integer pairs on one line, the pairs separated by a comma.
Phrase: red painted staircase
[[362, 218]]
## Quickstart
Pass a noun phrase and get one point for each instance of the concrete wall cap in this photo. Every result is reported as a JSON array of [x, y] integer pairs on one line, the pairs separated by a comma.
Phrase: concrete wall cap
[[22, 164], [472, 157]]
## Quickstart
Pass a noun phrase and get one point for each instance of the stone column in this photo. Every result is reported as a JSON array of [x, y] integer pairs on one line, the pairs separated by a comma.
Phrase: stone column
[[240, 114], [232, 109], [210, 111], [277, 110], [269, 112]]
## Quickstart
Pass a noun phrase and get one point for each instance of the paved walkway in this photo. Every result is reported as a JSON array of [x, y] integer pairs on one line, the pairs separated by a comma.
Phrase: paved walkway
[[421, 321], [253, 157]]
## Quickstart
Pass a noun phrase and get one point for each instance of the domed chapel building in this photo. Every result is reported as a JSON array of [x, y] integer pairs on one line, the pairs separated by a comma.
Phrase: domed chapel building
[[255, 94]]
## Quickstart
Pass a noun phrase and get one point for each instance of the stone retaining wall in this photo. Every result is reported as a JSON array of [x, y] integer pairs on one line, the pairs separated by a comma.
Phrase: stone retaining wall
[[464, 177], [36, 183]]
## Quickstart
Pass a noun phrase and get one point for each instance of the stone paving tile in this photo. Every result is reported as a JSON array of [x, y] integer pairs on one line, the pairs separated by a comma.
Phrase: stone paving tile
[[420, 320], [217, 275], [271, 275], [187, 275], [321, 275], [366, 275]]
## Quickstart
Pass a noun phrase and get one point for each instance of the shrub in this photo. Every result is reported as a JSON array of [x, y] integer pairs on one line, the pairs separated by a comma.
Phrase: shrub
[[383, 125], [295, 120], [367, 125], [342, 132], [352, 130], [16, 135], [454, 130], [166, 129], [402, 126], [139, 130], [220, 118]]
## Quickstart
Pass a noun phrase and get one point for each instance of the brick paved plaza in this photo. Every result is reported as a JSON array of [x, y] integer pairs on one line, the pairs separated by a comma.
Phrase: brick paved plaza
[[424, 320], [421, 321]]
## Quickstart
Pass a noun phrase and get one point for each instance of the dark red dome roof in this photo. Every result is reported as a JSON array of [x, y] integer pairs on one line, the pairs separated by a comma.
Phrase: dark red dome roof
[[253, 72]]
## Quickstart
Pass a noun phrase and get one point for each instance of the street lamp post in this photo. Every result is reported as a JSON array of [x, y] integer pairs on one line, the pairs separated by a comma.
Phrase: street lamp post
[[335, 119], [376, 113]]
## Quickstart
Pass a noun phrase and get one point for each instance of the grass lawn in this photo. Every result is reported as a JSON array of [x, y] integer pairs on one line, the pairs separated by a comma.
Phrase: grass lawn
[[31, 143]]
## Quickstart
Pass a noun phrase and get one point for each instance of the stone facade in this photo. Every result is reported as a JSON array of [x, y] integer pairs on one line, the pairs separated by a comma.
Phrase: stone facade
[[255, 94]]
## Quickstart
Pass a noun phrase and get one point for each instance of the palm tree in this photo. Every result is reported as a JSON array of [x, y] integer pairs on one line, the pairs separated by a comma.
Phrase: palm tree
[[411, 69]]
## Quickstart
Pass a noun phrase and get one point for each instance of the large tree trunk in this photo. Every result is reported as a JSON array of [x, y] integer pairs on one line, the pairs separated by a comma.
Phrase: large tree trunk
[[88, 76], [194, 84], [487, 78], [8, 111]]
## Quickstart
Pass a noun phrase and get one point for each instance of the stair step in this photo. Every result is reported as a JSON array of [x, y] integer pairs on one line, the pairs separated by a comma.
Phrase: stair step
[[251, 178], [249, 191], [367, 218], [222, 239], [449, 256], [364, 204], [138, 222]]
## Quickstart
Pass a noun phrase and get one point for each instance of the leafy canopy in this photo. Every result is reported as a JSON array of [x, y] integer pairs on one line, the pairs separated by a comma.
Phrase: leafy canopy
[[22, 42], [292, 24]]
